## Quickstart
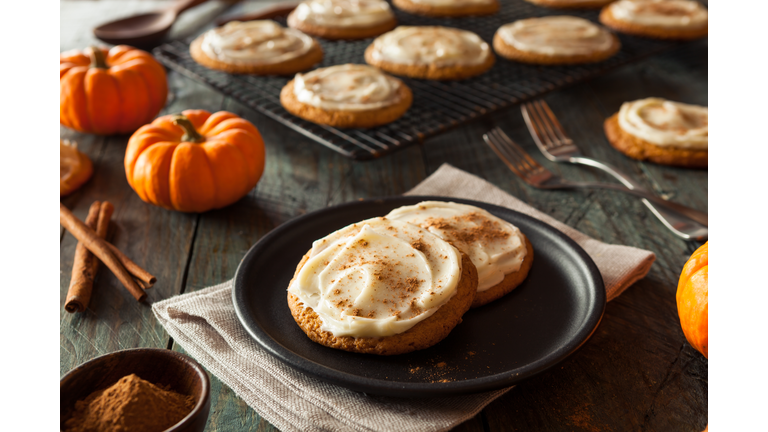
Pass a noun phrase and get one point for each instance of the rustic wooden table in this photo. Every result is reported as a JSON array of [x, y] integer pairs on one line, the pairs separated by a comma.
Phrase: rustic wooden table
[[636, 373]]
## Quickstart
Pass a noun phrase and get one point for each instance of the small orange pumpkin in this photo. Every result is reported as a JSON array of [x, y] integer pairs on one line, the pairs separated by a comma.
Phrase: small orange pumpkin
[[693, 300], [107, 92], [195, 161]]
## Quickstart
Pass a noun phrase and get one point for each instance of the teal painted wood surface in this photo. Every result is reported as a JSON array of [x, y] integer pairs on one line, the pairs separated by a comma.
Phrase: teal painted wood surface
[[636, 373]]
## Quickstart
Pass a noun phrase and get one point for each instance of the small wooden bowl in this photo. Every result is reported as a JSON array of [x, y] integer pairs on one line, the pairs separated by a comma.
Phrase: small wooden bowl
[[158, 366]]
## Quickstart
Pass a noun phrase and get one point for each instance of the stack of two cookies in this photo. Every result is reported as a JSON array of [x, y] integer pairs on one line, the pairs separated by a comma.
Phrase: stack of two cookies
[[402, 282]]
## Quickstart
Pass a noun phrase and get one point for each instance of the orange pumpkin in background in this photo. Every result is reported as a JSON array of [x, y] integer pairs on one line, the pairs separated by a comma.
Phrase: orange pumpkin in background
[[693, 300], [107, 92], [195, 161]]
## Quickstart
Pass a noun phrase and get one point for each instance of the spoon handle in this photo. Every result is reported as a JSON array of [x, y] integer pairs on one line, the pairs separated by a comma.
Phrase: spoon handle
[[268, 13], [181, 5]]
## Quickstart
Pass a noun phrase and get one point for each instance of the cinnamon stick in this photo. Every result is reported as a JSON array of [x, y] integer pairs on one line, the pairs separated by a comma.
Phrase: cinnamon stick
[[102, 226], [143, 277], [83, 269], [99, 248]]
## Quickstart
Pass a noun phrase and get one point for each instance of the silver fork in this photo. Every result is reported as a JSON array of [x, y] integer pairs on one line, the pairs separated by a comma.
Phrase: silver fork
[[537, 176], [552, 140]]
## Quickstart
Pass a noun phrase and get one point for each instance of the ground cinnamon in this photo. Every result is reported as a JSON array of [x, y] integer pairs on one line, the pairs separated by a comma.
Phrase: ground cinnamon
[[131, 404]]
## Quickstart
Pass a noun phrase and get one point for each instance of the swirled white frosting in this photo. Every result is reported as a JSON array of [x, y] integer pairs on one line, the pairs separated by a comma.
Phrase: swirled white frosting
[[344, 13], [452, 3], [377, 277], [348, 87], [660, 13], [495, 246], [556, 35], [666, 123], [441, 46], [255, 42]]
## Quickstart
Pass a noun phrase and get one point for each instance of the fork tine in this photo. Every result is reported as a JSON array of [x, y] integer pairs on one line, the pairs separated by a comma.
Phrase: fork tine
[[553, 119], [534, 126], [520, 154], [493, 141], [539, 116], [515, 157]]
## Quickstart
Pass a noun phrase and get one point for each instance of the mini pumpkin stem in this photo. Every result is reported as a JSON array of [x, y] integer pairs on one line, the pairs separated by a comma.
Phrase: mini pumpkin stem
[[97, 57], [190, 134]]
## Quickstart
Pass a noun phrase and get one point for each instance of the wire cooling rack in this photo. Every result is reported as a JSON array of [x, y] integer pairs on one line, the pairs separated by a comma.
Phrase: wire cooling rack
[[437, 105]]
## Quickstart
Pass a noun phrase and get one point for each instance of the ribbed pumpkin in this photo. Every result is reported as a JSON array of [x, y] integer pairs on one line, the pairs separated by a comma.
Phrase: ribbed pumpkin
[[693, 300], [195, 161], [107, 92]]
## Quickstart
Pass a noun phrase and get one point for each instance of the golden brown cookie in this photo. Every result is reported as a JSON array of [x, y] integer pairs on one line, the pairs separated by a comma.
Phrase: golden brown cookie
[[431, 52], [571, 4], [511, 53], [75, 168], [348, 118], [423, 335], [608, 18], [306, 61], [639, 149], [510, 282], [341, 33], [426, 9], [431, 71]]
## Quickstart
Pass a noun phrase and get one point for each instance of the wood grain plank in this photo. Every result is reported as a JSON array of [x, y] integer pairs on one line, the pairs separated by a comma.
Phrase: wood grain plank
[[228, 411], [638, 360], [679, 75], [225, 235], [391, 175], [114, 320], [157, 239], [637, 372], [285, 191]]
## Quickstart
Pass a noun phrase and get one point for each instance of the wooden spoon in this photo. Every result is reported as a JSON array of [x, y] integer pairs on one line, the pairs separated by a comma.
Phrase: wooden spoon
[[145, 29]]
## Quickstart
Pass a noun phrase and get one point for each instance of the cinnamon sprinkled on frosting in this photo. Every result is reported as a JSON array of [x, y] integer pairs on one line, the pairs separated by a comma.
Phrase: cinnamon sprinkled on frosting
[[377, 278], [495, 246]]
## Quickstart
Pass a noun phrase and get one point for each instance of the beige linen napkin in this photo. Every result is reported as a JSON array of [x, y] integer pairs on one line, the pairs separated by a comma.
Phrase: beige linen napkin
[[205, 325]]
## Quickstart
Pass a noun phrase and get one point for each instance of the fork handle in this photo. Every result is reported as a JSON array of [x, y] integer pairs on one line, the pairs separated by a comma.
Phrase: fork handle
[[694, 214], [683, 227]]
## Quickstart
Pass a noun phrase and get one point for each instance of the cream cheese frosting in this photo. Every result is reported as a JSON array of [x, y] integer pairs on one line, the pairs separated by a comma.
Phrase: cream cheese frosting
[[441, 46], [377, 278], [660, 13], [666, 123], [344, 13], [348, 87], [556, 35], [495, 246], [255, 42]]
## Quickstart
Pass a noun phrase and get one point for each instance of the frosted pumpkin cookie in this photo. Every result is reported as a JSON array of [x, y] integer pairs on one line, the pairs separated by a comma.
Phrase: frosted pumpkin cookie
[[438, 53], [555, 40], [256, 47], [343, 19], [381, 287], [448, 8], [500, 252], [347, 96], [571, 4], [75, 168], [661, 131], [661, 19]]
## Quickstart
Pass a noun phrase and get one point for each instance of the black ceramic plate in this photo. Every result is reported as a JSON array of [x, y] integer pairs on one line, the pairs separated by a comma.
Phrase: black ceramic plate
[[544, 320]]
